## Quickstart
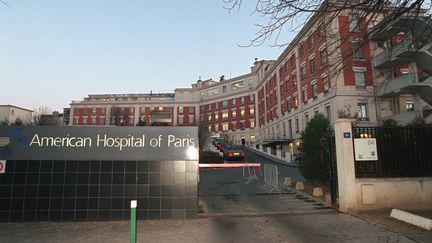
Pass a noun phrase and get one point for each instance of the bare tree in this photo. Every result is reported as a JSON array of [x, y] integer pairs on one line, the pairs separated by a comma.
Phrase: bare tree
[[280, 16], [43, 116]]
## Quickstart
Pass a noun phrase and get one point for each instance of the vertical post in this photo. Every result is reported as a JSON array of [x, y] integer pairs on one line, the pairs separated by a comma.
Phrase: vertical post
[[333, 173], [133, 221], [345, 165]]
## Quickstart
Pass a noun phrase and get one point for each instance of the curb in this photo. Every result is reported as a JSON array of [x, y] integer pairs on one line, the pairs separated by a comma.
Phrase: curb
[[413, 219]]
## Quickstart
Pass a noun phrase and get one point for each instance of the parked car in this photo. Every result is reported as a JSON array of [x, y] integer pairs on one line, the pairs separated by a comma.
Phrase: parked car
[[234, 152], [220, 144]]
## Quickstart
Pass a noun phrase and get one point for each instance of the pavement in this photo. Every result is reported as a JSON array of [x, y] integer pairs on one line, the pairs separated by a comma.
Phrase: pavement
[[288, 217]]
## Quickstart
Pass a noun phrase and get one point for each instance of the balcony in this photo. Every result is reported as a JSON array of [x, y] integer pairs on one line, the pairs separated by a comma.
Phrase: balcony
[[419, 26], [401, 53], [407, 84]]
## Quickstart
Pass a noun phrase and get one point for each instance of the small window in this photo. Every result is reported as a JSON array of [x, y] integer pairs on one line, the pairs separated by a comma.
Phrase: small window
[[362, 111], [323, 56], [326, 84], [301, 49], [180, 119], [180, 109], [354, 22], [224, 89], [191, 119], [315, 90], [303, 72], [312, 66], [305, 96], [357, 49], [360, 79], [409, 105]]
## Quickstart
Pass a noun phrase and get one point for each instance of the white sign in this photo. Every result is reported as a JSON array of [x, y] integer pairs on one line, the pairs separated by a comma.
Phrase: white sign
[[365, 149], [2, 166]]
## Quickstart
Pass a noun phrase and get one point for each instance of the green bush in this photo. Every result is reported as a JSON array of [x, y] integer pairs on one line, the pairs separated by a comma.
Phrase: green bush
[[206, 157], [390, 122], [314, 163]]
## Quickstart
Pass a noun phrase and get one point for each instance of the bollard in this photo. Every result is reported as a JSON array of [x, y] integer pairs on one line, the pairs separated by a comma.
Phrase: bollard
[[133, 221]]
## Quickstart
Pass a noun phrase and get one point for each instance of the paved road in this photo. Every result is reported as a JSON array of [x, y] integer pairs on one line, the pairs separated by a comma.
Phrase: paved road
[[233, 211]]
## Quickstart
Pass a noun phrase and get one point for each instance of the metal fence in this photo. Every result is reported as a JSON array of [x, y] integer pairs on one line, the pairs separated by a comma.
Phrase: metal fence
[[271, 178], [402, 152]]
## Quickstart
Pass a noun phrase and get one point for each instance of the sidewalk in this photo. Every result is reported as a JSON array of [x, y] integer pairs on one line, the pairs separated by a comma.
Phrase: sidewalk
[[322, 227]]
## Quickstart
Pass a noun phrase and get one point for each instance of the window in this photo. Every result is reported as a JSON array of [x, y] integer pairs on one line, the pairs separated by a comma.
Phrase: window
[[241, 100], [131, 109], [323, 56], [360, 79], [293, 61], [252, 124], [76, 111], [295, 101], [251, 111], [312, 65], [75, 120], [191, 109], [85, 111], [216, 105], [310, 42], [224, 126], [306, 118], [202, 117], [242, 111], [180, 109], [180, 119], [362, 111], [321, 31], [131, 120], [225, 115], [93, 120], [314, 90], [301, 49], [289, 104], [209, 128], [316, 111], [326, 84], [251, 98], [357, 49], [212, 92], [84, 120], [294, 78], [409, 105], [354, 22], [297, 125], [224, 89], [191, 119], [142, 110], [210, 117], [224, 103], [237, 85], [290, 128], [102, 120], [216, 116], [233, 113], [93, 111], [328, 112], [303, 72], [305, 95]]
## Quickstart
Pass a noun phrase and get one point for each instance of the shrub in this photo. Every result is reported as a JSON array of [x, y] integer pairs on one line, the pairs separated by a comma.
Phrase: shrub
[[314, 163], [389, 123]]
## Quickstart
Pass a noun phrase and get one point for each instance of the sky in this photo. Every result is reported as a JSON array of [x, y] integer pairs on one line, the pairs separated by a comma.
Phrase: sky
[[56, 51]]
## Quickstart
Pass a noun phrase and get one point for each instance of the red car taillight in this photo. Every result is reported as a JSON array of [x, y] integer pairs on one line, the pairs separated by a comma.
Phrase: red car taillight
[[242, 154], [230, 154]]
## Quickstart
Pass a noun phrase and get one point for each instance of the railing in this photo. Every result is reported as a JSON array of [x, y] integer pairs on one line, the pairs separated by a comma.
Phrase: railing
[[402, 152]]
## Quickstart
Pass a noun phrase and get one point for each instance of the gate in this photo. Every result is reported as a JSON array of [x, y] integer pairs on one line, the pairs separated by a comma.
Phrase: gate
[[333, 172]]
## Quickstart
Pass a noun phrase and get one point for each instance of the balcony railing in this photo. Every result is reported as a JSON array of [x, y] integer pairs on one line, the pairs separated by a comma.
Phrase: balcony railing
[[401, 53]]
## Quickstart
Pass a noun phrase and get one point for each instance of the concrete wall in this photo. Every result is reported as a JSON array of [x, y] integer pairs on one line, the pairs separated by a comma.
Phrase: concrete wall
[[373, 194]]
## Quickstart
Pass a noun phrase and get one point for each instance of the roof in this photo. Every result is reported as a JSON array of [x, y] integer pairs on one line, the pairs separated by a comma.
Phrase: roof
[[22, 108]]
